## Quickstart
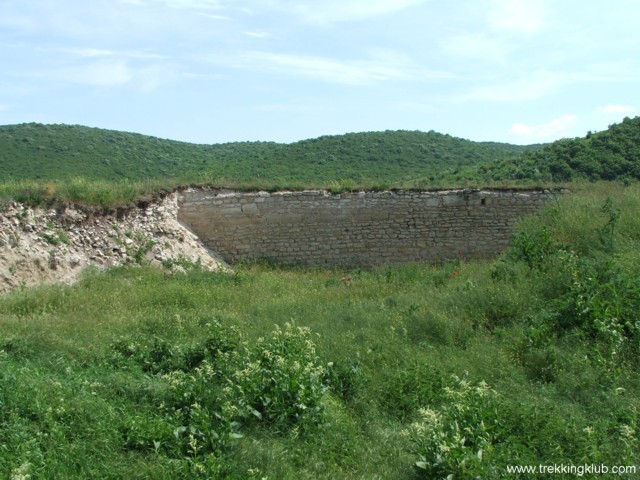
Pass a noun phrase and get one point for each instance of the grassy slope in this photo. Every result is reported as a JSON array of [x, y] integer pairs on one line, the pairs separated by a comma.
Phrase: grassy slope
[[98, 379], [58, 152]]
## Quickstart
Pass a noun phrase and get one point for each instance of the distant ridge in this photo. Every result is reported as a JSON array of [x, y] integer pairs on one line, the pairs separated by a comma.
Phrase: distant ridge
[[401, 158], [59, 152]]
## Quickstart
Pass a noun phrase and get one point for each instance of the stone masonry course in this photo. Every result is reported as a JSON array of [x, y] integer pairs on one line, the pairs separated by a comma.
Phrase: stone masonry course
[[356, 229]]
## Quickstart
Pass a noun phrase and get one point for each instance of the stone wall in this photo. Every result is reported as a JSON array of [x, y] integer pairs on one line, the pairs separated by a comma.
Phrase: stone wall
[[356, 229]]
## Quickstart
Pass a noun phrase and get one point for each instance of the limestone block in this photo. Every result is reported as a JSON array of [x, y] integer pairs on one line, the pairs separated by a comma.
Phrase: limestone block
[[453, 201], [250, 208], [231, 210]]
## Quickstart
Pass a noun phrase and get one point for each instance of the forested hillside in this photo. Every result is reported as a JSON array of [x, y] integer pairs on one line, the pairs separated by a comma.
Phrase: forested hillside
[[612, 154], [104, 167], [58, 152]]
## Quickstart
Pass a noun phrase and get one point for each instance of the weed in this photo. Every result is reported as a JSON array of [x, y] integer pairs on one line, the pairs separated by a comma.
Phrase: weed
[[534, 247], [53, 259], [457, 438], [281, 380], [56, 237], [339, 186], [606, 232], [182, 263]]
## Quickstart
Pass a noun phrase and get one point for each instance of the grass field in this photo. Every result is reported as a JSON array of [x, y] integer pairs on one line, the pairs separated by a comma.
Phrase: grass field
[[418, 371]]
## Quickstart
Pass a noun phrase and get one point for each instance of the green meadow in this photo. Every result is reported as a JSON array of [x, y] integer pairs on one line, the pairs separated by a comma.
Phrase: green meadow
[[458, 370]]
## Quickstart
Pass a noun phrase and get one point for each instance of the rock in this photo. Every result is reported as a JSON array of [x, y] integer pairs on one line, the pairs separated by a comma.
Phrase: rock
[[92, 240]]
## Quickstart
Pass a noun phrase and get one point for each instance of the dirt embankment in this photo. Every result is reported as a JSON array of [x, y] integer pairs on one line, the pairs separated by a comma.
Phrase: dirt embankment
[[49, 246]]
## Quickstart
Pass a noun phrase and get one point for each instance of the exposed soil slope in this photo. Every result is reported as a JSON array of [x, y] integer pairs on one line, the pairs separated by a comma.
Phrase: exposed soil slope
[[47, 246]]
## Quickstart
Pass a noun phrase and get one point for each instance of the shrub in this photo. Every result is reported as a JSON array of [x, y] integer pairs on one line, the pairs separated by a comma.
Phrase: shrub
[[533, 247], [339, 186], [453, 441], [603, 301], [408, 388], [281, 380], [586, 288]]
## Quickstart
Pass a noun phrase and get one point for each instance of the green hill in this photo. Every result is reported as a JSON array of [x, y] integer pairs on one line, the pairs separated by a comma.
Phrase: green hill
[[612, 154], [105, 167], [59, 152]]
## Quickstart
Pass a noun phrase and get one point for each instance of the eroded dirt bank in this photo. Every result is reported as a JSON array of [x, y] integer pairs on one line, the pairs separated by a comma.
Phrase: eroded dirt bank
[[57, 245]]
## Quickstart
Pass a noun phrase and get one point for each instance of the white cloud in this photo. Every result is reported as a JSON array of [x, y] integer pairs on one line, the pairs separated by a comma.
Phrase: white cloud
[[92, 52], [526, 16], [477, 46], [542, 83], [97, 52], [289, 107], [330, 11], [104, 73], [531, 87], [552, 130], [257, 34], [114, 72], [182, 4], [214, 17], [194, 4], [617, 109], [383, 66], [326, 69], [612, 71], [18, 21]]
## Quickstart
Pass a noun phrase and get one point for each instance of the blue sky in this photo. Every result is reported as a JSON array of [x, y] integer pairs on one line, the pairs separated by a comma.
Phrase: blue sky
[[211, 71]]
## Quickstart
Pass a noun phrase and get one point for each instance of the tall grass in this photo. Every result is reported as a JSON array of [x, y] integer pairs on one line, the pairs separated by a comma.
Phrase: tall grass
[[133, 373], [99, 193]]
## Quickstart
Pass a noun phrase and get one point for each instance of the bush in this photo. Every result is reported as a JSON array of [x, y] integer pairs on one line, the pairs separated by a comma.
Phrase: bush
[[346, 378], [454, 440], [603, 301], [281, 380], [533, 247], [586, 288], [408, 388]]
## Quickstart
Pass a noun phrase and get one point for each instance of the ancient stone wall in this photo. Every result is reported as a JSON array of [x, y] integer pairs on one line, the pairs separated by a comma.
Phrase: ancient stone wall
[[356, 229]]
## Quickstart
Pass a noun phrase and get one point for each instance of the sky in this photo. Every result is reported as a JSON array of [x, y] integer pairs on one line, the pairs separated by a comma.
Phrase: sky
[[214, 71]]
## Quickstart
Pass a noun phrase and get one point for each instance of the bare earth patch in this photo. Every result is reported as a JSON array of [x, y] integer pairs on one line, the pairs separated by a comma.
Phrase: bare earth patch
[[50, 246]]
